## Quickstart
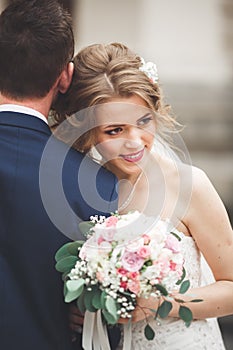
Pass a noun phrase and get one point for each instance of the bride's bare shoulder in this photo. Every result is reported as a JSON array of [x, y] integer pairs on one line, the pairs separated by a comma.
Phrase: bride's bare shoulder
[[203, 195], [200, 180], [174, 169]]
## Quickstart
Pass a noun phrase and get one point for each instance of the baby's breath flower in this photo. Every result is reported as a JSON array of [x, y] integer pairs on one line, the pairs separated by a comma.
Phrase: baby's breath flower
[[150, 69]]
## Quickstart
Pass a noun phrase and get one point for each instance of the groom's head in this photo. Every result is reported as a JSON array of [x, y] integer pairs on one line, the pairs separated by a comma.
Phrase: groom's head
[[36, 44]]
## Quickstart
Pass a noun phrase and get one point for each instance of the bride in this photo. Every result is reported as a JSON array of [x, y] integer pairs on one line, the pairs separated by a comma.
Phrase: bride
[[116, 114]]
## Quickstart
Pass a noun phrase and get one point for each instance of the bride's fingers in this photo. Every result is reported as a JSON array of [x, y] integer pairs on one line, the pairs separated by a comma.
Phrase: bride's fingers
[[74, 310], [76, 319], [123, 320], [76, 328]]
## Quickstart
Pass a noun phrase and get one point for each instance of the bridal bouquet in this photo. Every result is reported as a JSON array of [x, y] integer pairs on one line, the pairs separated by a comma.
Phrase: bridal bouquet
[[124, 257]]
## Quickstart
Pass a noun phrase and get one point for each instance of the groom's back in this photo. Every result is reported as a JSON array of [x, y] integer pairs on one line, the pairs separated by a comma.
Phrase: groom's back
[[33, 314], [40, 204]]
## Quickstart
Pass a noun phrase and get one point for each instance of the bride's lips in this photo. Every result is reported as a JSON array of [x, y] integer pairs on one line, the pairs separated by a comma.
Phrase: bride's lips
[[133, 157]]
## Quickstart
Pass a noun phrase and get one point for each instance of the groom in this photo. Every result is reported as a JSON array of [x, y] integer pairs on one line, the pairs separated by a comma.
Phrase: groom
[[41, 204]]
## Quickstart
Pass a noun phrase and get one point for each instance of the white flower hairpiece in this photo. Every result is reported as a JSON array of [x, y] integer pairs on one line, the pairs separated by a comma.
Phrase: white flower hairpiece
[[150, 69]]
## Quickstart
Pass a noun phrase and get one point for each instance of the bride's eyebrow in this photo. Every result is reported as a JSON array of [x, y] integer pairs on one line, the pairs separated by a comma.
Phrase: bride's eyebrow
[[144, 116], [113, 126], [110, 126]]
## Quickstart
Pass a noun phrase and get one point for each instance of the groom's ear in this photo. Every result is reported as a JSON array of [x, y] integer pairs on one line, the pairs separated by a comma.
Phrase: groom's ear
[[65, 78]]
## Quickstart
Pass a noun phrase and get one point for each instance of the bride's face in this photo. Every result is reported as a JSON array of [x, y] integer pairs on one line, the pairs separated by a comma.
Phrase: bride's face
[[125, 134]]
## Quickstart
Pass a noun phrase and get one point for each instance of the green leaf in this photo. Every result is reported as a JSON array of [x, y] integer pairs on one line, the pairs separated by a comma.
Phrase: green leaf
[[96, 301], [68, 249], [176, 235], [162, 289], [181, 301], [109, 317], [64, 289], [75, 285], [153, 310], [80, 302], [182, 277], [85, 227], [127, 294], [64, 275], [164, 309], [103, 299], [88, 296], [148, 263], [184, 287], [70, 296], [73, 290], [111, 307], [196, 300], [73, 247], [62, 252], [187, 324], [149, 332], [66, 264], [186, 315]]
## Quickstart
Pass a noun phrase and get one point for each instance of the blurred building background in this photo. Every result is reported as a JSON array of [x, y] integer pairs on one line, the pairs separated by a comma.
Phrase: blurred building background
[[192, 44]]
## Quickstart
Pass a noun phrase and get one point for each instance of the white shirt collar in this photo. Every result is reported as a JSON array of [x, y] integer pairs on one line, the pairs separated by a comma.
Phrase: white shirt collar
[[22, 109]]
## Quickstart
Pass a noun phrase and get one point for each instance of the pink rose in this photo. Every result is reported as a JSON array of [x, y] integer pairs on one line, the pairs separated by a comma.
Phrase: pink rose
[[133, 275], [134, 286], [177, 267], [111, 221], [144, 252], [124, 285], [131, 261], [173, 265], [122, 271], [172, 243]]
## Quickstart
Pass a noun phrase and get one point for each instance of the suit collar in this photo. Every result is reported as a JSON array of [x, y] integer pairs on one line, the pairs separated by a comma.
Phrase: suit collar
[[23, 120], [22, 109]]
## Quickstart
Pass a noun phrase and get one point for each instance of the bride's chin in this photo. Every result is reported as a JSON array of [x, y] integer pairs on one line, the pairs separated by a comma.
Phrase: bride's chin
[[124, 170], [130, 175]]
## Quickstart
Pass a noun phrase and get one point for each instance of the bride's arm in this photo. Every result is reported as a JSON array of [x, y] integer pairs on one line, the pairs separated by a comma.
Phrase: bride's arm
[[209, 225]]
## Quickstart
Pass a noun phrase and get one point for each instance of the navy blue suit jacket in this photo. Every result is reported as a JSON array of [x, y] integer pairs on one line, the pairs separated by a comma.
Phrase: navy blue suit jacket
[[35, 221]]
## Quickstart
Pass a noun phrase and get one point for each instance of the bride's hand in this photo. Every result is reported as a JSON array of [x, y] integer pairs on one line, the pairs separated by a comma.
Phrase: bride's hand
[[75, 319], [142, 310]]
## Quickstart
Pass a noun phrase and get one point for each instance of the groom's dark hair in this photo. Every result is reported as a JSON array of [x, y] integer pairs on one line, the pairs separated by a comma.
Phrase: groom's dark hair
[[36, 42]]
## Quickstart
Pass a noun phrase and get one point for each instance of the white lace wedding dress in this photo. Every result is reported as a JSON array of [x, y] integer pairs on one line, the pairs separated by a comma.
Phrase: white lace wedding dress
[[172, 334]]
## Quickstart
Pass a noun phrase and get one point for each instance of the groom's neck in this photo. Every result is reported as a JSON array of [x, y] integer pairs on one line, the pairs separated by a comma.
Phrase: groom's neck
[[41, 105]]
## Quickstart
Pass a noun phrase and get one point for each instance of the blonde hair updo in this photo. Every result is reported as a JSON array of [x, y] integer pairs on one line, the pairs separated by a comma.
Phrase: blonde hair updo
[[104, 72]]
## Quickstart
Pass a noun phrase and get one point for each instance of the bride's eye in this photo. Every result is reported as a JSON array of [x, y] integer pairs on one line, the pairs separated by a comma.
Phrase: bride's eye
[[145, 120], [114, 131]]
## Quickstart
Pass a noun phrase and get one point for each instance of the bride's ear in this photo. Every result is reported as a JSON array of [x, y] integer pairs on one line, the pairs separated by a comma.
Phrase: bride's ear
[[65, 78]]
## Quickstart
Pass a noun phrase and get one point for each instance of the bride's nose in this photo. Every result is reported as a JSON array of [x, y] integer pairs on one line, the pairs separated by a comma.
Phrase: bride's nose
[[133, 138]]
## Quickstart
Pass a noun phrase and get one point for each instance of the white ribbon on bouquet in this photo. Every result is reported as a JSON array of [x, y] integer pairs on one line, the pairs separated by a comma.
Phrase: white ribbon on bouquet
[[95, 335]]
